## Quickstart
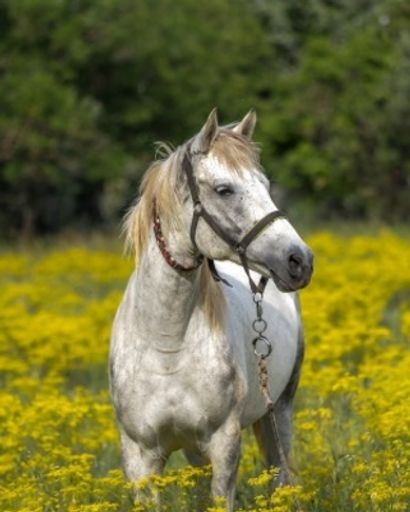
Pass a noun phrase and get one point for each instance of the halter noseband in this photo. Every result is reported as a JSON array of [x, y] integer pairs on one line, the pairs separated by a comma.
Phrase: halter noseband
[[239, 247]]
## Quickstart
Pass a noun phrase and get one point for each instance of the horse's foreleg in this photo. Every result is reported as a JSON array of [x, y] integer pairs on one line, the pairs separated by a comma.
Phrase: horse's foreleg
[[139, 462], [266, 437], [224, 453]]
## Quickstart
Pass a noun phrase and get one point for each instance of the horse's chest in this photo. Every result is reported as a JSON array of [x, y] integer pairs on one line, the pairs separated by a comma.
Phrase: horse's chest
[[181, 400]]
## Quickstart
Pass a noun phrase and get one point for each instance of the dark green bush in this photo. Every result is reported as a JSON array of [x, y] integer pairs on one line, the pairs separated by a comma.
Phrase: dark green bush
[[87, 86]]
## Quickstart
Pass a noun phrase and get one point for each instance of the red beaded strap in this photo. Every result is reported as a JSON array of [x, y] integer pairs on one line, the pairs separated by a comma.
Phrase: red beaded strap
[[159, 237]]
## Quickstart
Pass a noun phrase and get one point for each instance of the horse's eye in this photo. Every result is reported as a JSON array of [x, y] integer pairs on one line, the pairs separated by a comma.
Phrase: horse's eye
[[224, 190]]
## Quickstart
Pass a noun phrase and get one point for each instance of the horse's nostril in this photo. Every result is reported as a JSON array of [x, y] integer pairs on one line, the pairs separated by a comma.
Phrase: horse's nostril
[[295, 263], [295, 266], [294, 259], [300, 264]]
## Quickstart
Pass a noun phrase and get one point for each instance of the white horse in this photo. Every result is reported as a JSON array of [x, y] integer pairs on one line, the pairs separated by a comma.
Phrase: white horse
[[183, 372]]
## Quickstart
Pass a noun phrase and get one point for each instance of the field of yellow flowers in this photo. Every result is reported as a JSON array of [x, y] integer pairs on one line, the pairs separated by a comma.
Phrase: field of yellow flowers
[[59, 446]]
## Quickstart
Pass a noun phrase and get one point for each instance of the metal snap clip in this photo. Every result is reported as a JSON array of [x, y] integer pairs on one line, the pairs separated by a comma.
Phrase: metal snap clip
[[257, 297]]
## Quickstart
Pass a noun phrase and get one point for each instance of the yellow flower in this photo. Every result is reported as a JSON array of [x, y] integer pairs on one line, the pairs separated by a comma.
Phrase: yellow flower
[[60, 446], [264, 478]]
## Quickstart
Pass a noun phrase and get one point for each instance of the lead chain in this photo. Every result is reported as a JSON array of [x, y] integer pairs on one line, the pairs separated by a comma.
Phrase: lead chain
[[262, 347]]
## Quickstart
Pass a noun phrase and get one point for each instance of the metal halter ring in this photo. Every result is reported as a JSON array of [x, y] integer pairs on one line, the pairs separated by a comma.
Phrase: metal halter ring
[[259, 325], [262, 339]]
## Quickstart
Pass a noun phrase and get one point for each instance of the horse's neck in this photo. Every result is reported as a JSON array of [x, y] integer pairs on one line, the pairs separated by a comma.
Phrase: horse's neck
[[165, 300]]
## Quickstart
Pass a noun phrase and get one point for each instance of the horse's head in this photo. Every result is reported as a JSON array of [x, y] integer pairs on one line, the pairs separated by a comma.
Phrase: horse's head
[[234, 191]]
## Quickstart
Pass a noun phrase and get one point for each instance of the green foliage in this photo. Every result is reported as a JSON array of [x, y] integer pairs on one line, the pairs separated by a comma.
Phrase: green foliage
[[344, 144], [86, 87]]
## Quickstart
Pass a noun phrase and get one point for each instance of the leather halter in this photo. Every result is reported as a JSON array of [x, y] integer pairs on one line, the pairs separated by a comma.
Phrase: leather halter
[[238, 246]]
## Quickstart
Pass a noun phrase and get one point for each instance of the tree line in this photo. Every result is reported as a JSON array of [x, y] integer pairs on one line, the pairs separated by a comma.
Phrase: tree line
[[87, 86]]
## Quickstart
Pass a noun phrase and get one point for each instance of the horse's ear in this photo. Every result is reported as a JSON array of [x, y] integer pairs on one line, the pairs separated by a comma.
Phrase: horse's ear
[[203, 141], [247, 126]]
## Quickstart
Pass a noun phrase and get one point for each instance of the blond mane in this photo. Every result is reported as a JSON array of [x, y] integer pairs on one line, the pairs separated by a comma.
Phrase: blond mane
[[161, 184]]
